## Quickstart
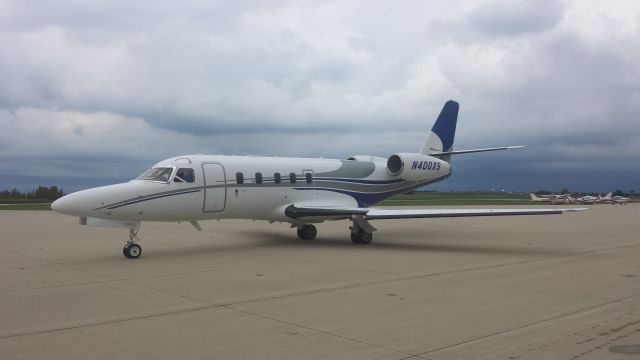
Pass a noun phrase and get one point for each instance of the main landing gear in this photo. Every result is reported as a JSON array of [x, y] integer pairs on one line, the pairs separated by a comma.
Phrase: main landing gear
[[307, 232], [361, 237], [361, 231], [131, 249]]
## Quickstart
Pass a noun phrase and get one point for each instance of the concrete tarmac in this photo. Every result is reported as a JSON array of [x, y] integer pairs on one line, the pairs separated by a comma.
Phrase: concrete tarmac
[[532, 287]]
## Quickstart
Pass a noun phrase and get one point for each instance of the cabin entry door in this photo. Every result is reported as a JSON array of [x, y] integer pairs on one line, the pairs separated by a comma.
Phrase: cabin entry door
[[215, 187]]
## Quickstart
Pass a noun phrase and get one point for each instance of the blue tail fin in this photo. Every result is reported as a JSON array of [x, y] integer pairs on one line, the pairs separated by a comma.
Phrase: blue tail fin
[[440, 139]]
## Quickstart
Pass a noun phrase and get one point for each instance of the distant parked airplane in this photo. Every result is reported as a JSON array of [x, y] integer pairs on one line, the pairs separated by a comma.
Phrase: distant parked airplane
[[292, 190], [588, 199], [553, 199], [620, 200]]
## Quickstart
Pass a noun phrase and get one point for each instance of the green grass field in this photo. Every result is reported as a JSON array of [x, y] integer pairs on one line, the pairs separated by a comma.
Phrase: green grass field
[[455, 198], [41, 206]]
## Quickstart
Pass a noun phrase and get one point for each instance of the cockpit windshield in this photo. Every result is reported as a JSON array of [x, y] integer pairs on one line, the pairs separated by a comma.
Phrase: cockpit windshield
[[158, 174]]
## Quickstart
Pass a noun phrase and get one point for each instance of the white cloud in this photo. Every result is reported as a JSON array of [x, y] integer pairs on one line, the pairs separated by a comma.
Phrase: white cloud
[[348, 76]]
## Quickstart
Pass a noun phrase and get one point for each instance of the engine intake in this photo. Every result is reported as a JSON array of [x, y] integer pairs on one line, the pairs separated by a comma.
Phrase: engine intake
[[416, 166], [395, 164]]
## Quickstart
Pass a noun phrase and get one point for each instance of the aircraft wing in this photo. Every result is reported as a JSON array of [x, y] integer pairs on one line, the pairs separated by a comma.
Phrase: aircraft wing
[[379, 214], [339, 213]]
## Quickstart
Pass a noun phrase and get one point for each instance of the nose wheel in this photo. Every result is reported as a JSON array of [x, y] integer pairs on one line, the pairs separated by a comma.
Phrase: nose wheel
[[131, 249]]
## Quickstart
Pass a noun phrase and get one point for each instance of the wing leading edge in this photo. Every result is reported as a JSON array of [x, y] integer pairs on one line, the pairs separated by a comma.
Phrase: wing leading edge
[[325, 213]]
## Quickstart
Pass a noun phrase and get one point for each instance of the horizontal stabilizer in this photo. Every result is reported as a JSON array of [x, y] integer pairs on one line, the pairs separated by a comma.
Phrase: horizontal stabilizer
[[457, 152]]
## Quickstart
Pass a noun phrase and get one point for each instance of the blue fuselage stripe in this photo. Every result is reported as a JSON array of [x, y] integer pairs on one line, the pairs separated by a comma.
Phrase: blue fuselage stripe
[[364, 198], [359, 181], [153, 198]]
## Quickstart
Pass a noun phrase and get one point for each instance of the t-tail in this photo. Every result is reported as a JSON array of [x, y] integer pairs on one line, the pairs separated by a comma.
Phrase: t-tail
[[439, 142], [440, 139]]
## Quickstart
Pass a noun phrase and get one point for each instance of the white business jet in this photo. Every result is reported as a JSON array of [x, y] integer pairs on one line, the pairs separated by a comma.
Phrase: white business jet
[[298, 191]]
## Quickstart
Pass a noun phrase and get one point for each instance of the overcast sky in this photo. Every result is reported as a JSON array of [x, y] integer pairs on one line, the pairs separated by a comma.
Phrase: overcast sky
[[93, 92]]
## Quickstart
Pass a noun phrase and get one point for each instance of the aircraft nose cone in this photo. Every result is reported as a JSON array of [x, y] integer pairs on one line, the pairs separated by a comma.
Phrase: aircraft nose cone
[[55, 206], [73, 204], [61, 205]]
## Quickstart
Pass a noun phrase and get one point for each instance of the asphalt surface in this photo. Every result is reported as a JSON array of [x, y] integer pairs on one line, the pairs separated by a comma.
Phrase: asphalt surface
[[535, 287]]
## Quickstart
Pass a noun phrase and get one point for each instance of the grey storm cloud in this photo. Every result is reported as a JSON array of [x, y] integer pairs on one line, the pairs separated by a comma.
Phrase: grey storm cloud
[[504, 17], [127, 84]]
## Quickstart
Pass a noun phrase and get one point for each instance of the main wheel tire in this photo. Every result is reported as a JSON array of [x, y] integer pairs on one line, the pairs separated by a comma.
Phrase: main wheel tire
[[132, 251], [308, 232], [366, 238], [361, 237]]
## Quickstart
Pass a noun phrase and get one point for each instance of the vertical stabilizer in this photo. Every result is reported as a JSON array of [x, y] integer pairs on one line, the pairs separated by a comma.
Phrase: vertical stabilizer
[[534, 197], [440, 139]]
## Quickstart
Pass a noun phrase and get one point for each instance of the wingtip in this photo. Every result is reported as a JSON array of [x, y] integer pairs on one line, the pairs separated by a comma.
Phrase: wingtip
[[576, 209]]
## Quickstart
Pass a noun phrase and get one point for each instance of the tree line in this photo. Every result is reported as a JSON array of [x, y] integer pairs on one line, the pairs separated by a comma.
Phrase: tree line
[[40, 194]]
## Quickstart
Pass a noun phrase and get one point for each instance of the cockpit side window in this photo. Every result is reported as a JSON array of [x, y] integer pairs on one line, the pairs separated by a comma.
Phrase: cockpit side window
[[162, 174], [184, 175]]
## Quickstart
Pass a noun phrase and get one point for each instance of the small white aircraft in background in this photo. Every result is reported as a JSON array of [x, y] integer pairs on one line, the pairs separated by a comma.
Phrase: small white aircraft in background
[[553, 199], [298, 191], [588, 199], [620, 200], [607, 199]]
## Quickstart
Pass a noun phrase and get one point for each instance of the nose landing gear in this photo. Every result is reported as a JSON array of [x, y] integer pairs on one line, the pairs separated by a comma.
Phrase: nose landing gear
[[131, 249]]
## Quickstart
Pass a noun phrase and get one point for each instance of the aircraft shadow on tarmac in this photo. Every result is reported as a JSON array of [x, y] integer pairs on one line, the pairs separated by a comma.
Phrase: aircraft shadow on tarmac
[[389, 241], [394, 241]]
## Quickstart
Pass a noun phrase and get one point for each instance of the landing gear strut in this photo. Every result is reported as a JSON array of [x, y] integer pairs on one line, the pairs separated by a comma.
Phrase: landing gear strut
[[307, 232], [131, 249]]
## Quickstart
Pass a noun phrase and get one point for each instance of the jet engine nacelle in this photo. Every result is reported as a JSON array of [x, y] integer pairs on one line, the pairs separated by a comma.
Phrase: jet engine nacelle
[[366, 158], [416, 166]]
